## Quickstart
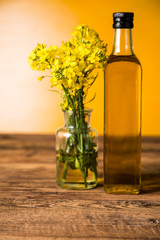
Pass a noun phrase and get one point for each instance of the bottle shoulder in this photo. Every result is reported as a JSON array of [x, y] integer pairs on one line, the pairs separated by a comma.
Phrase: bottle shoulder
[[123, 58]]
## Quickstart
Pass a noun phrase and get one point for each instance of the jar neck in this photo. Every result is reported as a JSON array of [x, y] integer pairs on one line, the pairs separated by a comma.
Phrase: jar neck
[[122, 42], [77, 119]]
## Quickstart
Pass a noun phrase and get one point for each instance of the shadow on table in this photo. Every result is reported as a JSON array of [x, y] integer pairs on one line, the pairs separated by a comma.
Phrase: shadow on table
[[150, 183], [100, 181]]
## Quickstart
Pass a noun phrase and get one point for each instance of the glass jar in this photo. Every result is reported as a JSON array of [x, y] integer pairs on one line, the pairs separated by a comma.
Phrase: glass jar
[[76, 152]]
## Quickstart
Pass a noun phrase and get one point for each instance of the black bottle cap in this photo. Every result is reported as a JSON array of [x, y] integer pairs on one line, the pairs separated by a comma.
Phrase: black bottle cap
[[123, 20]]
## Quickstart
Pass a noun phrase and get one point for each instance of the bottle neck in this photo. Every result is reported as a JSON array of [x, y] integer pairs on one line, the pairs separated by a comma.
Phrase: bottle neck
[[122, 42]]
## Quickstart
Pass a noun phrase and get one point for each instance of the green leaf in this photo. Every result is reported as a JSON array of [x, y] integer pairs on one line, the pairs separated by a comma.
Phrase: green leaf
[[53, 91], [77, 165], [91, 99]]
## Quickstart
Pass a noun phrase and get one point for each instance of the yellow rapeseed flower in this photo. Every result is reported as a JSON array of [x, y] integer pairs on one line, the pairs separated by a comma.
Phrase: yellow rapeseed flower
[[72, 64], [40, 78]]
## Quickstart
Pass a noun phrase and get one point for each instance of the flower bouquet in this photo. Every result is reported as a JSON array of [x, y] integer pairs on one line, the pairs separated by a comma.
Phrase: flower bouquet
[[73, 70]]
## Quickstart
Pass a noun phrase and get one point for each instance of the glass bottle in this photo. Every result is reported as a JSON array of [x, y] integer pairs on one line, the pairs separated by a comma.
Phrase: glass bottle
[[76, 152], [122, 114]]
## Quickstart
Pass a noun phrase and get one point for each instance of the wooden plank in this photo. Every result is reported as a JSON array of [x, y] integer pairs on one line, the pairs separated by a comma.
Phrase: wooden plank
[[33, 207]]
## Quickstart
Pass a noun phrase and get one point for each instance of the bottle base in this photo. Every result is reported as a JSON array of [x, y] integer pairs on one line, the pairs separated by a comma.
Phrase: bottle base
[[76, 186], [122, 189]]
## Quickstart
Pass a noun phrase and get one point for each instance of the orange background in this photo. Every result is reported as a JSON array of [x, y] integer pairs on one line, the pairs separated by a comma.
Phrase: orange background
[[25, 104]]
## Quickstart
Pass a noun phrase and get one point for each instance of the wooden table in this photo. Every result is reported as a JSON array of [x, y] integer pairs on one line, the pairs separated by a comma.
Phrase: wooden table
[[33, 207]]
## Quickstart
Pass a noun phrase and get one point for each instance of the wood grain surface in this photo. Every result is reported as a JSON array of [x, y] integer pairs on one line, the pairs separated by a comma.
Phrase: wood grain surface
[[32, 207]]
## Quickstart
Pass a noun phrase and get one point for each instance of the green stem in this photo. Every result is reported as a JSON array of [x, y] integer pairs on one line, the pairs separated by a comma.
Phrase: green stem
[[68, 97], [82, 130], [65, 169], [72, 104]]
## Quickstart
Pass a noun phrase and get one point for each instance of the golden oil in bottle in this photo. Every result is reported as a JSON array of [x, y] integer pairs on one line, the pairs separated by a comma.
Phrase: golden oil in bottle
[[122, 113]]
